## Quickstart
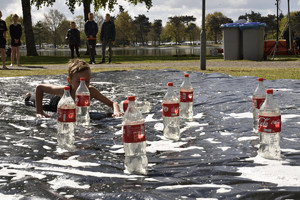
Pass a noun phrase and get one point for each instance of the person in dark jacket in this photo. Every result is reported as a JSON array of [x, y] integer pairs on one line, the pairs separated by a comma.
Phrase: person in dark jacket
[[3, 29], [107, 37], [91, 30], [73, 36], [15, 31]]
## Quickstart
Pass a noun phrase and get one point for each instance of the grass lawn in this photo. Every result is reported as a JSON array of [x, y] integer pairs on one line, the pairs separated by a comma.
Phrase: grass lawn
[[267, 73]]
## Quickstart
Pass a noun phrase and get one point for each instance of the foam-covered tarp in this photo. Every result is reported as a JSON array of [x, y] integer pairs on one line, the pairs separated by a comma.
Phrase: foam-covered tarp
[[215, 158]]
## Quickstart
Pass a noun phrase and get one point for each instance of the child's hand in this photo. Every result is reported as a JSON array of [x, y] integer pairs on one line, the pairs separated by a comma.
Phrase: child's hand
[[42, 115], [117, 114]]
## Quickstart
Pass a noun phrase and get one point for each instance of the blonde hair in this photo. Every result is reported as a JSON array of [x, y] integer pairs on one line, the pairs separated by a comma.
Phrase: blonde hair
[[77, 65]]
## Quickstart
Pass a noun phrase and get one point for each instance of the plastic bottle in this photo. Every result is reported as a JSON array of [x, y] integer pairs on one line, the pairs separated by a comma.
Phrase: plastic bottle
[[82, 100], [186, 99], [170, 110], [269, 128], [134, 139], [66, 120], [258, 99], [143, 106]]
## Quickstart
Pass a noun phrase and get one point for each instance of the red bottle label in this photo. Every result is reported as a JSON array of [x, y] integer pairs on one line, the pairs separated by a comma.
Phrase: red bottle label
[[82, 100], [186, 96], [134, 133], [258, 102], [269, 124], [170, 110], [125, 105], [66, 115]]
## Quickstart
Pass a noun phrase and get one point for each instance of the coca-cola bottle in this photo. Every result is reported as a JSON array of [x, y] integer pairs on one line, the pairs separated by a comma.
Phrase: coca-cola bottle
[[186, 99], [66, 120], [170, 111], [258, 99], [123, 106], [134, 139], [82, 100], [269, 128]]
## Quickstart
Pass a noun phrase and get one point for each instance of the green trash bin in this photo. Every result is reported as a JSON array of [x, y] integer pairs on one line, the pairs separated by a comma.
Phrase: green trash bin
[[253, 40], [232, 41]]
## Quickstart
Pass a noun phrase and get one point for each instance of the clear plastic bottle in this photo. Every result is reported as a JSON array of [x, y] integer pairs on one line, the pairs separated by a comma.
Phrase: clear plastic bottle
[[170, 110], [66, 120], [82, 100], [186, 99], [143, 106], [269, 128], [258, 99], [134, 139]]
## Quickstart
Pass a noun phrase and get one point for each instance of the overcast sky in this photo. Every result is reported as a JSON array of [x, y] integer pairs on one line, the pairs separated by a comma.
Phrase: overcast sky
[[162, 9]]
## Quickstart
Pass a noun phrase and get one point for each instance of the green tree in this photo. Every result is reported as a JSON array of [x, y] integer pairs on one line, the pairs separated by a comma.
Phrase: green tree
[[41, 32], [193, 32], [294, 22], [125, 29], [53, 20], [62, 30], [213, 23], [142, 25], [177, 29], [156, 30]]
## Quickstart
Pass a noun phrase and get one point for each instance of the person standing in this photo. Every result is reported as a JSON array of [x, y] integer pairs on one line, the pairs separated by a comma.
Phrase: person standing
[[91, 30], [3, 29], [107, 37], [73, 36], [15, 31]]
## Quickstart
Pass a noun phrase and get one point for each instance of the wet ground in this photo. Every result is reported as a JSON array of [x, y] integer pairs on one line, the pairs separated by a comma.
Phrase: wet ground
[[215, 158]]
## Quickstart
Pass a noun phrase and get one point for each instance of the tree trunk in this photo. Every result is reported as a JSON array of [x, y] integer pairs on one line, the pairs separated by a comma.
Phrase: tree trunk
[[86, 10], [29, 36]]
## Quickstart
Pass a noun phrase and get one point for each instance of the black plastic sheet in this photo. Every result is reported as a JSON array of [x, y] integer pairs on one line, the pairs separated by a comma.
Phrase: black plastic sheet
[[215, 158]]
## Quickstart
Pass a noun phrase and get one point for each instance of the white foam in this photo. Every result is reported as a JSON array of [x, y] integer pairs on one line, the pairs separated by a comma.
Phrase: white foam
[[225, 133], [159, 126], [47, 147], [290, 150], [149, 118], [119, 132], [101, 83], [71, 161], [272, 171], [198, 116], [286, 117], [239, 115], [290, 139], [66, 183], [22, 128], [248, 138], [211, 140], [283, 89], [18, 173], [224, 148], [196, 155], [21, 145], [172, 187], [11, 196], [223, 190]]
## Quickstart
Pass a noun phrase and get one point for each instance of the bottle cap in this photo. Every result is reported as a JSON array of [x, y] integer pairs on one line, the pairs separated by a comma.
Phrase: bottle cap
[[269, 91], [260, 79], [131, 98], [82, 79], [66, 88], [170, 84], [186, 75]]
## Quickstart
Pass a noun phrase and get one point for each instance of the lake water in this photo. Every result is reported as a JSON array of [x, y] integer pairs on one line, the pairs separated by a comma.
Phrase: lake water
[[134, 51]]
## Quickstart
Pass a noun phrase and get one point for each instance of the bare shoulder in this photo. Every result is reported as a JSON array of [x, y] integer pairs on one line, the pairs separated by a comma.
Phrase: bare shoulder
[[93, 91], [51, 89]]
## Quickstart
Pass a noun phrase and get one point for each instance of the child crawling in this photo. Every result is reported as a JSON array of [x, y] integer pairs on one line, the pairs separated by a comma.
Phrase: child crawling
[[77, 69]]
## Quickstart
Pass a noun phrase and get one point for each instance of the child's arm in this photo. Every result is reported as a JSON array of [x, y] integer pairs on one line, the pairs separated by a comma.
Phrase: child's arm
[[39, 94], [114, 105]]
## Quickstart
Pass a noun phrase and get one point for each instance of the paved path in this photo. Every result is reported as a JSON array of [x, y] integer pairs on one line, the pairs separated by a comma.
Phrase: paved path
[[210, 64]]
